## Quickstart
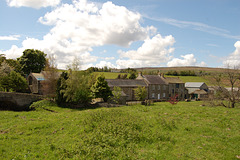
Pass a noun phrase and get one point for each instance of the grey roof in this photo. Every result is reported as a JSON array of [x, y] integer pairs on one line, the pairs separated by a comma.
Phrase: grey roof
[[154, 79], [125, 83], [38, 76], [193, 84], [43, 75]]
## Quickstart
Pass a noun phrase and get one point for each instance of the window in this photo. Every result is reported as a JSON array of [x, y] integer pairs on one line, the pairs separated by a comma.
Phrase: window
[[177, 85], [164, 87], [164, 95], [153, 95], [159, 87], [153, 87], [159, 96]]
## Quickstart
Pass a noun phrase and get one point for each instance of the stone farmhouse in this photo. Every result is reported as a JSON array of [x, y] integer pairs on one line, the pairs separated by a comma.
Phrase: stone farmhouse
[[127, 86], [158, 87]]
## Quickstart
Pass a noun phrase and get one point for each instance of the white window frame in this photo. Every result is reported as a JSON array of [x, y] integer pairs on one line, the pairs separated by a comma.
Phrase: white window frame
[[153, 95]]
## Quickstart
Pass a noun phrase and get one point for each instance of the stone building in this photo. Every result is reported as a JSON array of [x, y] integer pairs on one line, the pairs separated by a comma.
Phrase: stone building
[[176, 87], [127, 86], [197, 90], [157, 86], [34, 81]]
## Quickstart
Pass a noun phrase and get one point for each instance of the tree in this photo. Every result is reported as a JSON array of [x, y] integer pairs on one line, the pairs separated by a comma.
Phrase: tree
[[32, 61], [231, 77], [132, 75], [78, 85], [15, 65], [100, 89], [5, 68], [51, 75], [13, 82], [117, 93], [2, 58], [140, 93], [61, 86]]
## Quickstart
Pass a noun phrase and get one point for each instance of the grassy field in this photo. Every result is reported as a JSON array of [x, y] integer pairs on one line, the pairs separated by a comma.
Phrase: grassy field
[[195, 79], [109, 75], [161, 131]]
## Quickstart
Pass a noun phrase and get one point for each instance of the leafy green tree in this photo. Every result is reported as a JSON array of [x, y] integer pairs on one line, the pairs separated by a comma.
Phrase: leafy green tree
[[140, 93], [77, 89], [61, 86], [32, 61], [13, 82], [132, 75], [15, 65], [117, 93], [100, 89]]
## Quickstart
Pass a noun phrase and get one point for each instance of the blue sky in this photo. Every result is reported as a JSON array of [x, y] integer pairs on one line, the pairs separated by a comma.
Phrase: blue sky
[[121, 34]]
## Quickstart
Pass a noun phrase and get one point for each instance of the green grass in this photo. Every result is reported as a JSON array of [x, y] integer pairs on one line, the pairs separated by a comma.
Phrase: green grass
[[160, 131], [109, 75], [194, 79]]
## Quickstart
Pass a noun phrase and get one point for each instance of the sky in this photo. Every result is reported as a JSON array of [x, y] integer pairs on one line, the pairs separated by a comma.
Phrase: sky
[[124, 33]]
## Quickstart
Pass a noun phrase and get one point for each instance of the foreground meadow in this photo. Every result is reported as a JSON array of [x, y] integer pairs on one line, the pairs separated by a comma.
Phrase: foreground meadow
[[160, 131]]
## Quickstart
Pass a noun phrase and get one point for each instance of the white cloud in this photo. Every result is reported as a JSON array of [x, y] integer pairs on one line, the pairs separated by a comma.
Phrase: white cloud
[[80, 26], [10, 38], [102, 64], [188, 60], [153, 52], [33, 3], [13, 53], [234, 58], [94, 26]]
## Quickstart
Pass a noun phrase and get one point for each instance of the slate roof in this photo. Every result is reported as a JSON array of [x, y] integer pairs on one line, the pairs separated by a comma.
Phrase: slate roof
[[125, 83], [38, 76], [154, 79], [193, 84], [42, 76]]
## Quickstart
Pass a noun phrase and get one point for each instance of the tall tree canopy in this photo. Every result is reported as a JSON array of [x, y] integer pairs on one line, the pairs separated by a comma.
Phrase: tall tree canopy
[[100, 88], [32, 61]]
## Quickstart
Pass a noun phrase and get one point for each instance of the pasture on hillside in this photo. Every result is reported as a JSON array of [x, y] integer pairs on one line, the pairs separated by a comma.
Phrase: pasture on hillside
[[160, 131]]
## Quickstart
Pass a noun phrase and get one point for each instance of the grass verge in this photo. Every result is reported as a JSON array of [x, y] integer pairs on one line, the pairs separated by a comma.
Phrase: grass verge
[[160, 131]]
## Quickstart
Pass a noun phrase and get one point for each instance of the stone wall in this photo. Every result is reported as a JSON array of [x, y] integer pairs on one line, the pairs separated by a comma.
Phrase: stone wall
[[17, 101]]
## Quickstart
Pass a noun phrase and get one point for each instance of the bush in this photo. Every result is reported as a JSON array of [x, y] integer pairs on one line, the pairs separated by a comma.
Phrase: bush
[[42, 105], [13, 82]]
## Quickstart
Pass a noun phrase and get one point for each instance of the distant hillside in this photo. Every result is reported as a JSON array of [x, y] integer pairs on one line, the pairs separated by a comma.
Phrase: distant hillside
[[165, 69]]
